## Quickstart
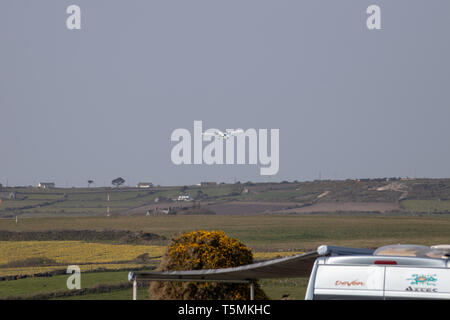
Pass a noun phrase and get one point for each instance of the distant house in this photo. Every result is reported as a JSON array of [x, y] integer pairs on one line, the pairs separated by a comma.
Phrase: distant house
[[160, 211], [46, 185], [206, 184], [8, 195], [185, 198], [145, 185]]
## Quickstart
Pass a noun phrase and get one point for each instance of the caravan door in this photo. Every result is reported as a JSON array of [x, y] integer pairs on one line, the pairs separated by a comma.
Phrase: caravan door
[[349, 282]]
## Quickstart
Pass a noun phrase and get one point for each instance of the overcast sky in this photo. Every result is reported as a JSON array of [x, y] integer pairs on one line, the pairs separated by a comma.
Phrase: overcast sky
[[102, 102]]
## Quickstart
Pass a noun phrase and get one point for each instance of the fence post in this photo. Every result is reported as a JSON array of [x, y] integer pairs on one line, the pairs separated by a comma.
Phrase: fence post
[[134, 289]]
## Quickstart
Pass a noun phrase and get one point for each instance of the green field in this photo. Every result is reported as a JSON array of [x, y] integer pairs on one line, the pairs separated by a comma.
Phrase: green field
[[268, 232], [37, 287], [121, 294], [65, 202], [426, 206]]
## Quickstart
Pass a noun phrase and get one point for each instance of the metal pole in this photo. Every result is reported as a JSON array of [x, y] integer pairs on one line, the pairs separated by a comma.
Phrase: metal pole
[[252, 291], [107, 208], [135, 289]]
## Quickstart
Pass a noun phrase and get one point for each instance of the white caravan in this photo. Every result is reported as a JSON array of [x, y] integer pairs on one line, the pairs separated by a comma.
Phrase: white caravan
[[390, 272]]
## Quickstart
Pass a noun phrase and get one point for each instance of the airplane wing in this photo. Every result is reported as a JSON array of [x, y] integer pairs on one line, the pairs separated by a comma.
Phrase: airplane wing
[[215, 133], [234, 132]]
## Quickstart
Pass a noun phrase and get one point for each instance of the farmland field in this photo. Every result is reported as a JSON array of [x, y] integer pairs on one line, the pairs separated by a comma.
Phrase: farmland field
[[274, 220], [426, 206], [31, 286], [269, 236], [268, 232], [73, 252], [32, 257], [379, 194]]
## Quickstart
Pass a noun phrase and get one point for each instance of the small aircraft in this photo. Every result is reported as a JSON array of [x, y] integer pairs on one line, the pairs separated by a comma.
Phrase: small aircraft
[[224, 135]]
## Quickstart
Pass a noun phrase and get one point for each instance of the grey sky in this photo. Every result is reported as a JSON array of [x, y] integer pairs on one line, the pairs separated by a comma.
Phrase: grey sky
[[101, 102]]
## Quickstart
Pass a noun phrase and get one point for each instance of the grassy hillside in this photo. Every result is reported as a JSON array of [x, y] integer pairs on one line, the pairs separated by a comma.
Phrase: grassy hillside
[[93, 201]]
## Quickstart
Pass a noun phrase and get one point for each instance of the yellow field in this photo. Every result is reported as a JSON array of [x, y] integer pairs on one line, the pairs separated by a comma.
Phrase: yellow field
[[89, 256], [73, 252], [78, 252]]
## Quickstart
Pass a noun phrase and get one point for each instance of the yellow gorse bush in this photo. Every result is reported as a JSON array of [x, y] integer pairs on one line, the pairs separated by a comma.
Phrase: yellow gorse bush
[[203, 246], [204, 250]]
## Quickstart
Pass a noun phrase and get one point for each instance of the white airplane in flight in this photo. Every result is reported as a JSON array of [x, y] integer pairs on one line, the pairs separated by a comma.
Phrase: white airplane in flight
[[224, 135]]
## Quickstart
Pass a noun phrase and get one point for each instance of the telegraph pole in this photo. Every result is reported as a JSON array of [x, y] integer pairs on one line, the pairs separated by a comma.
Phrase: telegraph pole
[[107, 206]]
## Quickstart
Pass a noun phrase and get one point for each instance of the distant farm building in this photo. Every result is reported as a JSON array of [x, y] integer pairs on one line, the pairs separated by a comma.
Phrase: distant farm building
[[185, 198], [161, 211], [207, 184], [46, 185], [145, 185], [8, 195]]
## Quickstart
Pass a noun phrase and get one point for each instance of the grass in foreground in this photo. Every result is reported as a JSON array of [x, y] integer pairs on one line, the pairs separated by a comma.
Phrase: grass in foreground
[[275, 288], [123, 294], [294, 289], [32, 286]]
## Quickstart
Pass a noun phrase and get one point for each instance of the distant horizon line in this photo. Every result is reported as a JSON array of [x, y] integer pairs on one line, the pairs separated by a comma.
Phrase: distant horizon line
[[221, 183]]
